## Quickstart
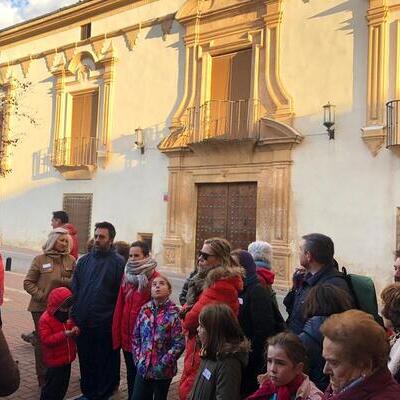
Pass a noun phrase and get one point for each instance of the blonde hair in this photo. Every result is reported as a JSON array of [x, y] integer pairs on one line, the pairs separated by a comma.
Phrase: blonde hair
[[221, 249], [364, 342], [52, 239]]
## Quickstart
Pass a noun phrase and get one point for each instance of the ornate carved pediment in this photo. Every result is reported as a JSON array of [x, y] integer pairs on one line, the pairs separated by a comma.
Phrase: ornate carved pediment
[[251, 26], [276, 132]]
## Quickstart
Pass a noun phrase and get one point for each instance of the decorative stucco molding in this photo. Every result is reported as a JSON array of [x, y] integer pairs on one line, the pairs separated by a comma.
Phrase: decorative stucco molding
[[243, 24], [373, 134], [85, 71]]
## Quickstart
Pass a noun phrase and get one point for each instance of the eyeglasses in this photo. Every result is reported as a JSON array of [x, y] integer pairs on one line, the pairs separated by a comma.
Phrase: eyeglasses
[[205, 255]]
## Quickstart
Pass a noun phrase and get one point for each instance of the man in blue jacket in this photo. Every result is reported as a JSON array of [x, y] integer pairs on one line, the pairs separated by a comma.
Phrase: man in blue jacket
[[316, 257], [95, 286]]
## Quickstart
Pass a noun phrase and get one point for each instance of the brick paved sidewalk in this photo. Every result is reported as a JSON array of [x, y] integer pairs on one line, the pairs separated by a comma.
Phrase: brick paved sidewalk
[[17, 320]]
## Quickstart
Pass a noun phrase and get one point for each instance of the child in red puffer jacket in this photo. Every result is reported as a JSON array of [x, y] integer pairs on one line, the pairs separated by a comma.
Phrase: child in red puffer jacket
[[57, 338]]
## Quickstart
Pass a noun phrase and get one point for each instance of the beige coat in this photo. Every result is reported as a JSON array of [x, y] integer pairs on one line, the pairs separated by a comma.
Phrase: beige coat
[[46, 273]]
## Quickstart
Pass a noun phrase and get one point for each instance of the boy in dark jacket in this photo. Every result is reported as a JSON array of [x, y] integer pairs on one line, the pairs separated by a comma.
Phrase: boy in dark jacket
[[57, 333]]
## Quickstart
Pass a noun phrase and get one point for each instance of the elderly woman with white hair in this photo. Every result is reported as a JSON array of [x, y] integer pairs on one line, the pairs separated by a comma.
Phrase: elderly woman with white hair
[[52, 269], [262, 255]]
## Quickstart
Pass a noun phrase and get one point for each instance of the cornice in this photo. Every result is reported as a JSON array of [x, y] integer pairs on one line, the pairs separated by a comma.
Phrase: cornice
[[64, 17], [95, 41]]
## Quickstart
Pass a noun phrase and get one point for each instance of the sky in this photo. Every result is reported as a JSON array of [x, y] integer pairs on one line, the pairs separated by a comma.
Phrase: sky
[[14, 11]]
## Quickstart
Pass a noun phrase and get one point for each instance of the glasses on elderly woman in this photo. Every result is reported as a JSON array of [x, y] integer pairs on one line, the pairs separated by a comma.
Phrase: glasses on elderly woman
[[205, 256]]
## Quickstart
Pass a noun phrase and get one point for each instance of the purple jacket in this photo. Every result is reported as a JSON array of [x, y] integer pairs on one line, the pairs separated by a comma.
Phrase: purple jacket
[[158, 340], [378, 386]]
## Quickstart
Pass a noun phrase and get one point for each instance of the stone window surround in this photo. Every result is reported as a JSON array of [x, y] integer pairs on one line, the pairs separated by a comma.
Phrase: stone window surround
[[72, 78]]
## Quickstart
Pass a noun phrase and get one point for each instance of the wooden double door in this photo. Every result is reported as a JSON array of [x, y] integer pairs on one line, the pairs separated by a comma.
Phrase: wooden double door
[[227, 210]]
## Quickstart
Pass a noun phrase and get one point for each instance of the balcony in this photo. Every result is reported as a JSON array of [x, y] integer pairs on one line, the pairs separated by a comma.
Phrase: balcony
[[76, 157], [393, 120], [224, 120]]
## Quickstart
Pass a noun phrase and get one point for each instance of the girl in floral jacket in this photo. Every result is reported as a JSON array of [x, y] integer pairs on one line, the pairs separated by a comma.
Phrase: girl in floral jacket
[[158, 342]]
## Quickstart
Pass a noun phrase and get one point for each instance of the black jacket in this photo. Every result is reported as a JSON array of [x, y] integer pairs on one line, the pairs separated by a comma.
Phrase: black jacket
[[296, 297], [256, 317], [312, 339], [95, 286]]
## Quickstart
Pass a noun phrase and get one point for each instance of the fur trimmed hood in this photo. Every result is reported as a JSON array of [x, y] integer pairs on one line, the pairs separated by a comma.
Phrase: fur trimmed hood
[[219, 273], [234, 348]]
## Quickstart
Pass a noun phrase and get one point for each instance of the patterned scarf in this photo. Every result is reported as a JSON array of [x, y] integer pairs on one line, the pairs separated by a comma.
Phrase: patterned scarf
[[137, 273]]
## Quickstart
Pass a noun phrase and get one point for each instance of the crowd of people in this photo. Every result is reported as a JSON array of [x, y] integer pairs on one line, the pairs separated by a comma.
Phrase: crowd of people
[[228, 326]]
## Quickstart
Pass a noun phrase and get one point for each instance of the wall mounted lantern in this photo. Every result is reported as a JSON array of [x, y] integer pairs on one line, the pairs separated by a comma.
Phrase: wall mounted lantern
[[329, 119], [139, 142]]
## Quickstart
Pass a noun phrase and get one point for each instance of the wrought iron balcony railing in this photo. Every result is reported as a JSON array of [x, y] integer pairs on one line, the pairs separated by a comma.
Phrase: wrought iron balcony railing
[[393, 121], [75, 152], [223, 119]]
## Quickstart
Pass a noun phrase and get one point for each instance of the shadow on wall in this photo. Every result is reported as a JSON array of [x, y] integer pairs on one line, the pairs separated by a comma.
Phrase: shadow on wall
[[358, 27], [42, 166], [125, 145], [347, 24]]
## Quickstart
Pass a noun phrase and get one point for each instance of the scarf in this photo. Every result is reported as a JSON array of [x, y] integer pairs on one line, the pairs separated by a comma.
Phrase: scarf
[[137, 273], [267, 389]]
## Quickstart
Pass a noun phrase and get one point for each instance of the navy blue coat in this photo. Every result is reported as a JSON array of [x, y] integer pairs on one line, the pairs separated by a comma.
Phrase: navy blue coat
[[95, 286], [297, 297], [312, 339]]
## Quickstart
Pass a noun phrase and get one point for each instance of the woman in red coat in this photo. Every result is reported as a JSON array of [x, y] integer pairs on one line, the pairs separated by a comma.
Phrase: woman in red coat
[[135, 291], [219, 280]]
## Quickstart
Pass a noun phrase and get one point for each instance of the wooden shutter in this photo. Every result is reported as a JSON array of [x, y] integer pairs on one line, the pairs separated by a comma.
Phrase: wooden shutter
[[78, 206], [230, 93], [84, 128]]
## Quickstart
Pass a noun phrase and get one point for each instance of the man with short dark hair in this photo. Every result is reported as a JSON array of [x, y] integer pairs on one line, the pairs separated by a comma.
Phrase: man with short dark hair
[[95, 286], [316, 258], [396, 266], [61, 220]]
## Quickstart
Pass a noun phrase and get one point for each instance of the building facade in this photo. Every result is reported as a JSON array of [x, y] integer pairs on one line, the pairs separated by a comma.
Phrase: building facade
[[179, 120]]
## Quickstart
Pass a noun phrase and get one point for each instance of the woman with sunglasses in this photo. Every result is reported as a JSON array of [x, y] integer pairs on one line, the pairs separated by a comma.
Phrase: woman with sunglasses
[[219, 280]]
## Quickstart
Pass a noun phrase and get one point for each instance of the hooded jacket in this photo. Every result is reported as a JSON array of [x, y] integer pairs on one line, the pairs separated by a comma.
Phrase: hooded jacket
[[312, 339], [222, 285], [129, 302], [74, 239], [158, 340], [221, 378], [57, 348]]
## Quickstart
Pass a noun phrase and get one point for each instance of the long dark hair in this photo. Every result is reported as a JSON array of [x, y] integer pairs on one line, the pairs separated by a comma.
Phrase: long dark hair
[[222, 329]]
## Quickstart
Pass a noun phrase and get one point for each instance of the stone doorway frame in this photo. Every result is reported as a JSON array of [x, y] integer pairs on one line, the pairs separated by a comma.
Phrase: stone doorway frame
[[223, 162]]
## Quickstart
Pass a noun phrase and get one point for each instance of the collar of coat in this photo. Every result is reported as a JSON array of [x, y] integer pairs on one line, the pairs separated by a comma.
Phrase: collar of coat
[[221, 272]]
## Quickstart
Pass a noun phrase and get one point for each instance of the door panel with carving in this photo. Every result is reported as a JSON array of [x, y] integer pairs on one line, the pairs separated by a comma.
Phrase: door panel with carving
[[227, 210]]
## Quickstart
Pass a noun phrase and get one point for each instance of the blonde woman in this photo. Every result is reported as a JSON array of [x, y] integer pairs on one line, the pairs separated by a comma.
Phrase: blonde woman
[[53, 268], [219, 280]]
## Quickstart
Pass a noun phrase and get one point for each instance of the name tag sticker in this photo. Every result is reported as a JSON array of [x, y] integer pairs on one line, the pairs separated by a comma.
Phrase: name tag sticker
[[240, 301], [47, 266], [206, 373]]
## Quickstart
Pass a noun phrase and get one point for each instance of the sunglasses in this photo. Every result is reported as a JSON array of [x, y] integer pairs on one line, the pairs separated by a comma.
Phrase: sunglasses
[[205, 255]]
